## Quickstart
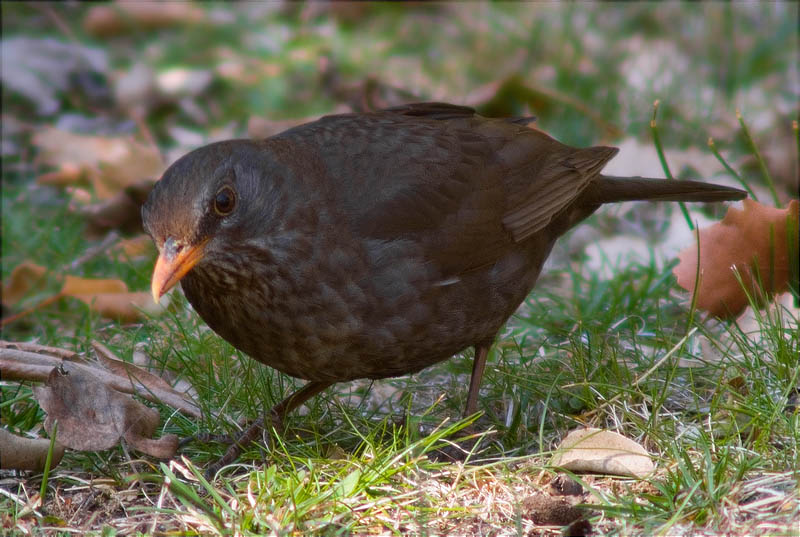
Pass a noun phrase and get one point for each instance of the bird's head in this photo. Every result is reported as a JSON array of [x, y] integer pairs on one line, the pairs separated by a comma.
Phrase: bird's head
[[207, 203]]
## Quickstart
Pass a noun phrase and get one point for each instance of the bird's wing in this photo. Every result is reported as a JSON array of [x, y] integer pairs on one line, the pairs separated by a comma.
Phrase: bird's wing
[[544, 175], [556, 185], [465, 188]]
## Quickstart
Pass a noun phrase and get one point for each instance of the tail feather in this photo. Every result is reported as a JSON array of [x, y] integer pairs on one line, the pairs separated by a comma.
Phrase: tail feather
[[609, 189]]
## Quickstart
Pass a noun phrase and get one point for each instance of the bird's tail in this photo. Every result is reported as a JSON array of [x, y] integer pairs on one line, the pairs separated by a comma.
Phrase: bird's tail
[[609, 189]]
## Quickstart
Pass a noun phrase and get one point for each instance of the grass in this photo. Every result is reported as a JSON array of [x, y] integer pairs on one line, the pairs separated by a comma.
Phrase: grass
[[623, 352]]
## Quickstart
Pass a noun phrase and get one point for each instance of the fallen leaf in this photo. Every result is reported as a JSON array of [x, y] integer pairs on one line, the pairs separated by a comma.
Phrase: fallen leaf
[[180, 385], [93, 417], [602, 452], [25, 365], [759, 243], [126, 369], [19, 453], [26, 278], [109, 298], [135, 88], [86, 288], [78, 196], [124, 307], [109, 163], [133, 16]]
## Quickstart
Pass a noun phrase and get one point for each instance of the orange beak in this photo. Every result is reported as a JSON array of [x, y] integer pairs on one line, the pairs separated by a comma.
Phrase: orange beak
[[173, 263]]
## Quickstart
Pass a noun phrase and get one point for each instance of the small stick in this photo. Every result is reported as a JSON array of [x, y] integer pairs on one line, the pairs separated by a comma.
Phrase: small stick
[[93, 251]]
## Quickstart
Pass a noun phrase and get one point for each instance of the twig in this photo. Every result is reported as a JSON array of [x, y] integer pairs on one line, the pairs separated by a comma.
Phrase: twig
[[93, 251], [22, 365], [46, 302]]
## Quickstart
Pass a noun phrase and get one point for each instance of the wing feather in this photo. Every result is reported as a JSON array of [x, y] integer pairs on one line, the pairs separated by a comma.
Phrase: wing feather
[[462, 187]]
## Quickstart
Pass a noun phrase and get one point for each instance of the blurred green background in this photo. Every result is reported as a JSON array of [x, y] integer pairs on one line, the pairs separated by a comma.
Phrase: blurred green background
[[576, 66]]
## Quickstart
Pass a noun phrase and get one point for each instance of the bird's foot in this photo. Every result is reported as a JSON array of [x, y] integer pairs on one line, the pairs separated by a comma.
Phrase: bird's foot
[[276, 416]]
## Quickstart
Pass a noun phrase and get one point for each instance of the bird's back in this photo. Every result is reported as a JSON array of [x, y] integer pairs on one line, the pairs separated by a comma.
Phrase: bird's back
[[466, 188]]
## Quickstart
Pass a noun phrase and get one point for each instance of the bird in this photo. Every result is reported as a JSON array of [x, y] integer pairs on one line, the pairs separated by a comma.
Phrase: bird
[[373, 245]]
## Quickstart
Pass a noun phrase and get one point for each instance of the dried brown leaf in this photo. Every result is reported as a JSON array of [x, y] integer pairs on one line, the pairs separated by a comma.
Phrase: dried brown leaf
[[125, 307], [25, 278], [126, 369], [603, 452], [32, 366], [13, 368], [180, 82], [18, 453], [110, 164], [754, 241], [93, 417], [109, 298], [78, 196], [87, 287]]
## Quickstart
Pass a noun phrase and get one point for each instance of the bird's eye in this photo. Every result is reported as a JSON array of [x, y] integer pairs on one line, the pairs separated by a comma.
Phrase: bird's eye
[[224, 201]]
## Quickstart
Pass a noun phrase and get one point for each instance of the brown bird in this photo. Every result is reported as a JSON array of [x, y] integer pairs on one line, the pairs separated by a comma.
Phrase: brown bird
[[374, 245]]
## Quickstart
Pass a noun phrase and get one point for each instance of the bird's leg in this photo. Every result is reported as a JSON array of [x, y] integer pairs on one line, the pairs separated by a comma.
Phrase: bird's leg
[[478, 365], [458, 451], [276, 415]]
